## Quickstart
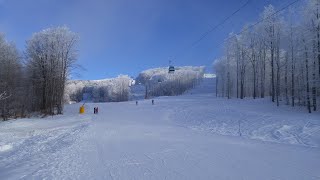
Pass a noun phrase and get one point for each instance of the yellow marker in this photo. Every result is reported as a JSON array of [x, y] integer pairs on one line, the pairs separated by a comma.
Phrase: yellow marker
[[81, 110]]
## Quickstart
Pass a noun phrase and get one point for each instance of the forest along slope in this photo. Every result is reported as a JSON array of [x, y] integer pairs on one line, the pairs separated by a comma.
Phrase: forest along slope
[[177, 138]]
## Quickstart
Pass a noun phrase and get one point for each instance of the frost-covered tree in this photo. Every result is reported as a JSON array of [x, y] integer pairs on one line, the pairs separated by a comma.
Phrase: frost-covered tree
[[159, 82], [106, 90], [51, 54], [10, 78], [284, 47], [311, 22]]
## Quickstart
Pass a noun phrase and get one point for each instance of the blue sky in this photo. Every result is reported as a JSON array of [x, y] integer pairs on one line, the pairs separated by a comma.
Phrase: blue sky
[[128, 36]]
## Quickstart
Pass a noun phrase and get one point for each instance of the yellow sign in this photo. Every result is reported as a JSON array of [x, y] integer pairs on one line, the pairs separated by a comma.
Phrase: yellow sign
[[81, 110]]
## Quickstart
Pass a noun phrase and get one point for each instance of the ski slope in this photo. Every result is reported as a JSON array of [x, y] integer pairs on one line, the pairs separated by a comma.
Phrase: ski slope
[[205, 87], [194, 136]]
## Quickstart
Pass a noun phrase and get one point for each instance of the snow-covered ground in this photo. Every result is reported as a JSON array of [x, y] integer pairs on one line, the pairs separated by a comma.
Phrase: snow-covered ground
[[194, 136]]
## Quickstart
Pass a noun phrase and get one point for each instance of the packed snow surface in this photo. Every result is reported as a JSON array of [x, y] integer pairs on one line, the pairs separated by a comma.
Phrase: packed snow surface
[[194, 136]]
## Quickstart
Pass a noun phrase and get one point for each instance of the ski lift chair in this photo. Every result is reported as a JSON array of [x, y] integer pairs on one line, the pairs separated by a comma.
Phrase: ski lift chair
[[171, 69]]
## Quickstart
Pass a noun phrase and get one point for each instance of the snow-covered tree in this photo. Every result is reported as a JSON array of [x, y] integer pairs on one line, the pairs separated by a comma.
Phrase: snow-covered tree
[[51, 54], [105, 90], [284, 47], [159, 82], [10, 78]]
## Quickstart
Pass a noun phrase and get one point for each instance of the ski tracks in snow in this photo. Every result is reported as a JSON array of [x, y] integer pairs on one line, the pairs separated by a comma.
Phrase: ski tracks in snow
[[125, 141], [39, 151]]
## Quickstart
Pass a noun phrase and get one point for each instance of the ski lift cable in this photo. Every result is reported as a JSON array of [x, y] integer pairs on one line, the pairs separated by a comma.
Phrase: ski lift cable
[[204, 35], [260, 21]]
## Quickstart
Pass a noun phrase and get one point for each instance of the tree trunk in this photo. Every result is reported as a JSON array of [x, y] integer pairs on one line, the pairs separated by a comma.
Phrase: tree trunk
[[314, 88], [238, 73], [217, 81], [278, 74], [272, 73], [286, 81], [307, 77], [318, 41], [292, 77], [263, 76], [228, 85]]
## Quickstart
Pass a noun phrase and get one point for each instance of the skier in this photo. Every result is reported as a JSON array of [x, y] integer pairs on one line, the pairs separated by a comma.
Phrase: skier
[[136, 103], [152, 102], [97, 110], [94, 110]]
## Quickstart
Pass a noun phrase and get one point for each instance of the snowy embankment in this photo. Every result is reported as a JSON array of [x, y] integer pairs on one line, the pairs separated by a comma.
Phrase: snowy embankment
[[258, 119], [125, 141]]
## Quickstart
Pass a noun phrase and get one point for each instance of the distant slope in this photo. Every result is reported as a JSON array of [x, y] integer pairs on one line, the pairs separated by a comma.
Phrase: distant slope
[[206, 86], [157, 81], [137, 92], [161, 73]]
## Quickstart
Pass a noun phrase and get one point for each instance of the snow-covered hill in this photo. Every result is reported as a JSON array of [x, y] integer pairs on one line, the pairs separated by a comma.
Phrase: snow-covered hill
[[158, 82], [104, 90], [161, 82], [193, 136], [161, 74]]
